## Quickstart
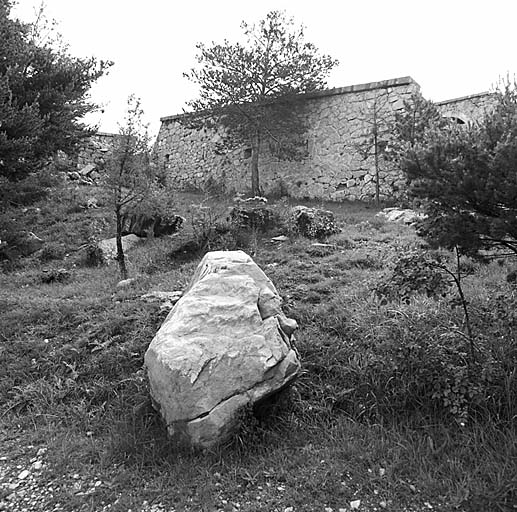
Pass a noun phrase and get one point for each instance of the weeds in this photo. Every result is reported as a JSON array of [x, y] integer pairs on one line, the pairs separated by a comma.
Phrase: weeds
[[386, 384]]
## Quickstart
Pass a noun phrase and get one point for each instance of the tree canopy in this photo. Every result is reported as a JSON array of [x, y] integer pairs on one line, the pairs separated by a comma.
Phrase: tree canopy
[[251, 88], [465, 175], [43, 95]]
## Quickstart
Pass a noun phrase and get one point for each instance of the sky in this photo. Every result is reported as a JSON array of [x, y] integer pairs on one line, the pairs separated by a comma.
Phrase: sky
[[452, 48]]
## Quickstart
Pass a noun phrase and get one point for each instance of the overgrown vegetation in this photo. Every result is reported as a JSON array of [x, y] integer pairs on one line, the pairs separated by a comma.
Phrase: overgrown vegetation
[[43, 94], [389, 409], [464, 175]]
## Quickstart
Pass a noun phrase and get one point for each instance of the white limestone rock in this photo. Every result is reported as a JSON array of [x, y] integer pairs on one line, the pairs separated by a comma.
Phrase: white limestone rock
[[108, 246], [221, 348], [400, 215]]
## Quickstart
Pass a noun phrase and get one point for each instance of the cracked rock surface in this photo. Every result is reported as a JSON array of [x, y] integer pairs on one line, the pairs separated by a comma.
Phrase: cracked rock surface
[[226, 344]]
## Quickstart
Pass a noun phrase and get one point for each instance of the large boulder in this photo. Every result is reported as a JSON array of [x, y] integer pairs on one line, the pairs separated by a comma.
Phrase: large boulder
[[108, 246], [143, 224], [224, 346], [313, 222]]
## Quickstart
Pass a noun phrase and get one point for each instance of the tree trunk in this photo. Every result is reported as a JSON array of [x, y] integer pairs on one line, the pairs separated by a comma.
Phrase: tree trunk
[[376, 155], [255, 146], [120, 250]]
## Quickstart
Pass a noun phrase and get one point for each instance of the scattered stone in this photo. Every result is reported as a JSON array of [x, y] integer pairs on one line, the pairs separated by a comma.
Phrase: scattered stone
[[281, 238], [288, 325], [74, 175], [249, 216], [144, 224], [313, 222], [24, 474], [37, 465], [400, 215], [126, 283], [354, 505], [92, 203], [319, 244], [255, 199], [87, 170], [108, 247], [220, 349], [167, 299]]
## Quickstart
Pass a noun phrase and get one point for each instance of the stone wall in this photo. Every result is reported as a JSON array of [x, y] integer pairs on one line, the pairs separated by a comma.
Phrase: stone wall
[[467, 109], [339, 157], [96, 150]]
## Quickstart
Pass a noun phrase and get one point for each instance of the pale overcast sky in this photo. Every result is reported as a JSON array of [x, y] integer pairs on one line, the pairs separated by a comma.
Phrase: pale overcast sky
[[450, 47]]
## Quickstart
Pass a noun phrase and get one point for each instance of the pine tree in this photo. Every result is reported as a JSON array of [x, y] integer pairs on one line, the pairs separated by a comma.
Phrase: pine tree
[[252, 89]]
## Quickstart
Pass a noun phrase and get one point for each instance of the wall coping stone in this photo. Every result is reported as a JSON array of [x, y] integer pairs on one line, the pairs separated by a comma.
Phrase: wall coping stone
[[383, 84], [464, 98], [106, 134]]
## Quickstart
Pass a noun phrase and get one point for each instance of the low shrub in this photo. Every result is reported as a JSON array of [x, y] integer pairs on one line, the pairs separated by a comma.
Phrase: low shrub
[[413, 273], [93, 254], [54, 275], [51, 251]]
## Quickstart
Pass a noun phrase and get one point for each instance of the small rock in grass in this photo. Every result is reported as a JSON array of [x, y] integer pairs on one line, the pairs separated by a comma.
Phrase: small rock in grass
[[288, 325], [167, 299], [318, 244], [24, 474], [125, 283], [354, 505]]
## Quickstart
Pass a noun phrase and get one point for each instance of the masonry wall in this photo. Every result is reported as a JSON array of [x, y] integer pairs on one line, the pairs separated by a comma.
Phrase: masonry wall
[[467, 109], [96, 150], [338, 161]]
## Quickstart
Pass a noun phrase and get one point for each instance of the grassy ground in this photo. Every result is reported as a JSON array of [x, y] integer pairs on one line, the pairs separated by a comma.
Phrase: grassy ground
[[359, 424]]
